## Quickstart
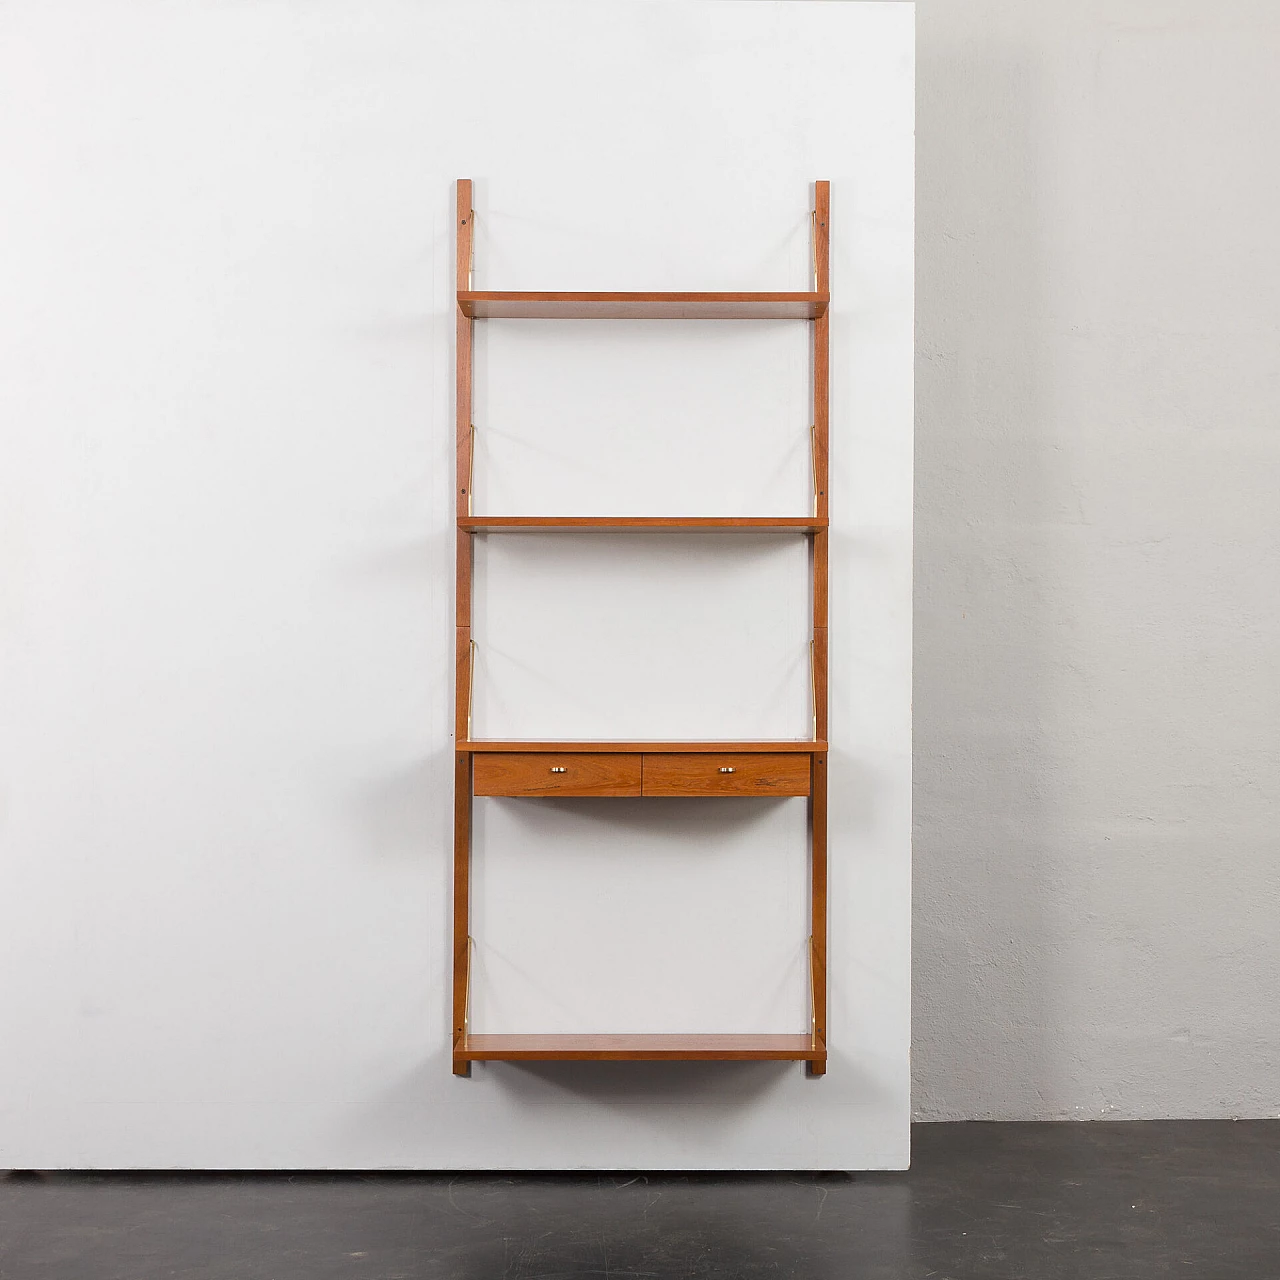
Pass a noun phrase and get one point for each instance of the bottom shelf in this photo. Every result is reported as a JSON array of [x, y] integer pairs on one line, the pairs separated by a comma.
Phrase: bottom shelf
[[635, 1048]]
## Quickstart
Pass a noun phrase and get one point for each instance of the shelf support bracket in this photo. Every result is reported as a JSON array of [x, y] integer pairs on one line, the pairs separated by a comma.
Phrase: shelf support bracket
[[813, 460], [813, 999], [813, 689], [466, 1004], [471, 687], [813, 245]]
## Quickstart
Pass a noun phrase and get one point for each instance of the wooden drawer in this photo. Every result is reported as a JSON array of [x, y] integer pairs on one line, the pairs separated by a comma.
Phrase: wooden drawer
[[537, 773], [706, 774]]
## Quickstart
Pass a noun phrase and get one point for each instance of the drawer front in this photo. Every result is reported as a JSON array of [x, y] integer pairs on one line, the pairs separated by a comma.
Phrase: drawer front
[[704, 774], [537, 773]]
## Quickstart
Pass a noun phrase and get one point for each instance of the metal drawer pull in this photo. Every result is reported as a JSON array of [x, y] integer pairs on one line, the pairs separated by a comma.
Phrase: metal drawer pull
[[724, 768], [558, 768]]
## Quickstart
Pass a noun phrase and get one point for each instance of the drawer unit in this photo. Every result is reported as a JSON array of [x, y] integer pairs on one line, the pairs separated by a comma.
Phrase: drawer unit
[[703, 773], [539, 773]]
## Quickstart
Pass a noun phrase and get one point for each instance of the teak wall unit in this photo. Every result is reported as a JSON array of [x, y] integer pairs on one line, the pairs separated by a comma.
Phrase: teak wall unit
[[603, 768]]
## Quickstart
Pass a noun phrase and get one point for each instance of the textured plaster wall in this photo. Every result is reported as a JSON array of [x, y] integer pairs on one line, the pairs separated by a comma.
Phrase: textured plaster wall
[[1097, 606]]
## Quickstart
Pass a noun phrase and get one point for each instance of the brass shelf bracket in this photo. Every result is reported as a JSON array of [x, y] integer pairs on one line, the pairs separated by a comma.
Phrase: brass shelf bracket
[[813, 687], [471, 687], [813, 461], [813, 997], [471, 474], [466, 1006], [813, 245]]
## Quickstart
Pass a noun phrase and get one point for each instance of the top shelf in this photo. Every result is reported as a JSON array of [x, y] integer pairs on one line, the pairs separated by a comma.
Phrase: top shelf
[[643, 306]]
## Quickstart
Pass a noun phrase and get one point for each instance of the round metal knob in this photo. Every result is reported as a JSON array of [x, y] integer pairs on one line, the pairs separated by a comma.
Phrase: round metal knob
[[724, 768], [558, 768]]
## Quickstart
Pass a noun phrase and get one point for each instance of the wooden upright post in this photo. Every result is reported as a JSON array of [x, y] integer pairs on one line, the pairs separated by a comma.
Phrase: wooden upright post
[[821, 470], [463, 651]]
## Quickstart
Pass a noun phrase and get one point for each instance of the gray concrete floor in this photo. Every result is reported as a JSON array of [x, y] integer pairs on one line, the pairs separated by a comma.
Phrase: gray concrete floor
[[1042, 1201]]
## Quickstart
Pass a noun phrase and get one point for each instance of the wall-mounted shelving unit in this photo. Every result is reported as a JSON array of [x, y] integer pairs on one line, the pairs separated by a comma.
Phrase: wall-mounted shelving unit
[[793, 767]]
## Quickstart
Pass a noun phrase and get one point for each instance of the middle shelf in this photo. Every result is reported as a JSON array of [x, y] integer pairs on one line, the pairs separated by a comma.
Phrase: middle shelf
[[499, 524], [480, 304]]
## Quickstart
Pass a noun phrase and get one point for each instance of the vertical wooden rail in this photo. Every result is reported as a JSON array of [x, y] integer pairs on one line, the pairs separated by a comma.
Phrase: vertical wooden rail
[[463, 652], [821, 470]]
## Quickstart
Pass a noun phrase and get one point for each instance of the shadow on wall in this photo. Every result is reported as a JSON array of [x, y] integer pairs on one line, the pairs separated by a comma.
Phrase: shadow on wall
[[986, 947]]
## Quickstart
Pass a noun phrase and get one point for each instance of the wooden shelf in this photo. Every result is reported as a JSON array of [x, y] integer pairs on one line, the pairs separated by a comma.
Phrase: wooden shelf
[[637, 1048], [479, 305], [529, 524], [785, 744], [579, 770]]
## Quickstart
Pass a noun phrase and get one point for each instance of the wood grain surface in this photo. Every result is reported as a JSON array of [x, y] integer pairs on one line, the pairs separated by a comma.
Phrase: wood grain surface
[[714, 774], [538, 774]]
